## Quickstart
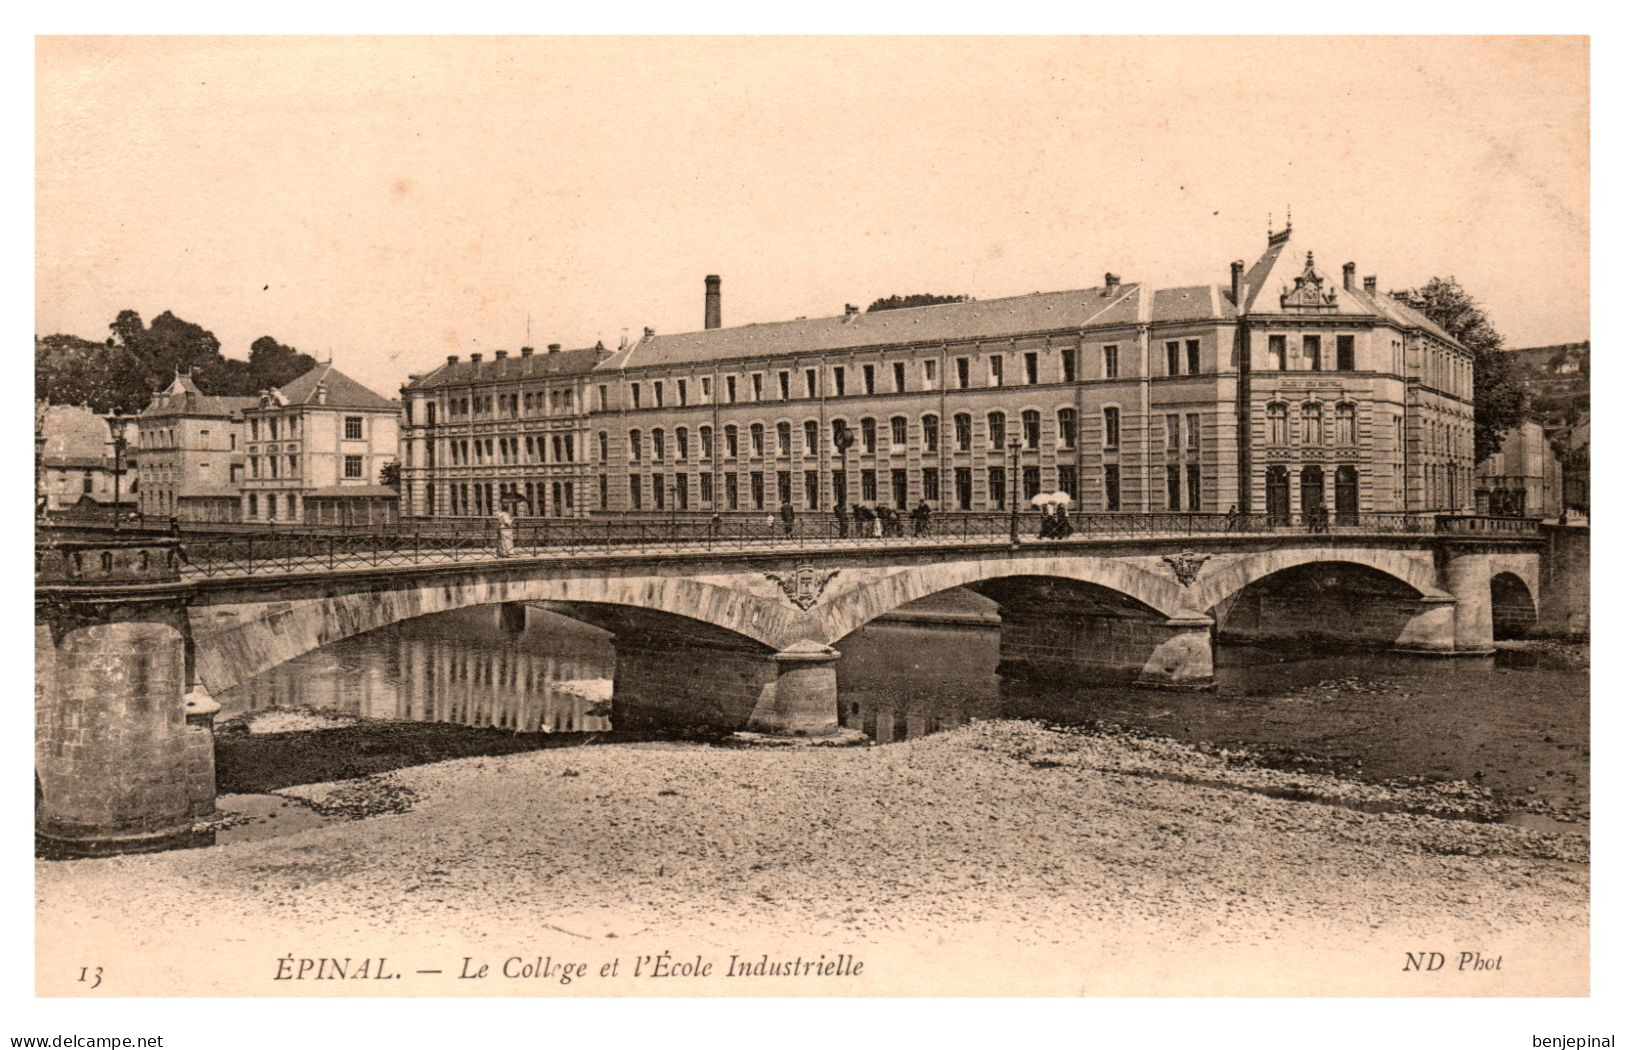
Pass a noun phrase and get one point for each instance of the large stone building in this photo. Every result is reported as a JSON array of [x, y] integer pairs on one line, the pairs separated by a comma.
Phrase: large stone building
[[190, 454], [77, 468], [316, 450], [1277, 391], [481, 434]]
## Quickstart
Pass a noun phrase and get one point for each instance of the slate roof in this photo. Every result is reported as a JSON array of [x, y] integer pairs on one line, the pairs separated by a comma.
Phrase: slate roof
[[528, 366], [944, 322], [342, 391], [183, 398]]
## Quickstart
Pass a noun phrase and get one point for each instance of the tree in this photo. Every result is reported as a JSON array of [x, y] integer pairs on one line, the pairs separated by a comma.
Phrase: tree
[[390, 475], [272, 364], [1498, 395], [69, 370], [898, 302]]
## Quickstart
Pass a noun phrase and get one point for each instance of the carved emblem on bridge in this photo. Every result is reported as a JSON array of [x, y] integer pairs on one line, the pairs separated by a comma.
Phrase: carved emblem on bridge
[[804, 586], [1186, 565]]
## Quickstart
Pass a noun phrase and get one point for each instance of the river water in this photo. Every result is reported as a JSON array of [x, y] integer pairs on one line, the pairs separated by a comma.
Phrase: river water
[[1517, 724]]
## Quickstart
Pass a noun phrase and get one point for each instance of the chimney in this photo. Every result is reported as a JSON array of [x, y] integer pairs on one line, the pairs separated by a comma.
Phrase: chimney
[[500, 354], [713, 301], [1111, 284], [648, 333], [526, 351], [1236, 269], [1348, 277], [1371, 284], [552, 348], [851, 311], [321, 393], [451, 359], [474, 359]]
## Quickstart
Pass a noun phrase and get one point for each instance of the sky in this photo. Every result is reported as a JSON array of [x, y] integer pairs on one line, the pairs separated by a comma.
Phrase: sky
[[389, 201]]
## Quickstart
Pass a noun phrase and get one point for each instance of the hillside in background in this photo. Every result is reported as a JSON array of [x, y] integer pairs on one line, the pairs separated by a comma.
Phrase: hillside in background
[[1557, 380]]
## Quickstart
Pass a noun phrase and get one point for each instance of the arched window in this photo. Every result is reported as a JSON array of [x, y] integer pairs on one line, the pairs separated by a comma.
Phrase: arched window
[[995, 430], [1348, 495], [899, 432], [634, 445], [1276, 414], [867, 428], [705, 443], [962, 431], [682, 442], [809, 436], [1030, 427], [730, 441], [836, 428], [928, 432], [659, 436], [1345, 423], [1066, 421], [783, 430], [758, 439], [1313, 431]]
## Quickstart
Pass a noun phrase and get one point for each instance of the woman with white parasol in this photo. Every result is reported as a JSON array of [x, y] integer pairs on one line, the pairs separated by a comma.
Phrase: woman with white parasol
[[1054, 524]]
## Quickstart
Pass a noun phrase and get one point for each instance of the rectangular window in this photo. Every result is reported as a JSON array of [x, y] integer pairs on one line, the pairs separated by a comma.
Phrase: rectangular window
[[784, 386], [899, 376], [1030, 482], [1173, 486], [1067, 481], [705, 389], [730, 488], [637, 400], [1114, 494], [996, 492], [1193, 356], [657, 488], [679, 483], [756, 386], [868, 379], [1112, 420], [930, 368], [930, 485], [1173, 356], [1311, 352], [603, 491], [962, 490], [866, 486], [1069, 365], [352, 466], [733, 389], [899, 488], [812, 382], [784, 487], [1278, 353], [995, 370], [837, 481], [1108, 361], [962, 367], [1193, 486], [840, 381], [1030, 363], [660, 394], [758, 490], [1171, 425], [1193, 431], [682, 391], [809, 488], [603, 398], [1345, 353]]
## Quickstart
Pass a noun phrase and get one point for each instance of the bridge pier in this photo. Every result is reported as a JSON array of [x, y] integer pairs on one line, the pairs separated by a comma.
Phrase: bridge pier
[[1176, 652], [661, 680], [123, 756]]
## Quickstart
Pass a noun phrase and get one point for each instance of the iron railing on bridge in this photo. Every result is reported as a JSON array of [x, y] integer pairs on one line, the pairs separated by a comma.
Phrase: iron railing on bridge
[[320, 549]]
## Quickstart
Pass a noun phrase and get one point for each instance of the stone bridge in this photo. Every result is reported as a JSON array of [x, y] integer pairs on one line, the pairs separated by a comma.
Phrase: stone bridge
[[131, 643]]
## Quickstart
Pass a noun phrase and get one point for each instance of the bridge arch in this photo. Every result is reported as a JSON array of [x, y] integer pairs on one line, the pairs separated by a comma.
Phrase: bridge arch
[[851, 610], [1512, 606], [235, 642], [1414, 569]]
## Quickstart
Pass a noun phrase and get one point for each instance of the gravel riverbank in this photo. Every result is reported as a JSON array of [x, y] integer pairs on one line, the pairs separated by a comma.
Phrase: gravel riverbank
[[1000, 857]]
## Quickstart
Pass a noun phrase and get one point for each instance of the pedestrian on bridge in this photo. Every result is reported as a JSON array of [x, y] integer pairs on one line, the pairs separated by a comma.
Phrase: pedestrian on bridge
[[922, 519], [504, 533], [787, 515]]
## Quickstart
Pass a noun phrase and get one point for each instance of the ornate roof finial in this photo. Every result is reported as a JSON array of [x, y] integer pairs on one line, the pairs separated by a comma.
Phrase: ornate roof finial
[[1289, 216], [1269, 222]]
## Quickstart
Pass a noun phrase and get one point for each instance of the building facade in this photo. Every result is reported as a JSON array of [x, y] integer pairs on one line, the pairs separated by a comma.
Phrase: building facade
[[77, 461], [1523, 478], [189, 452], [511, 432], [316, 449], [1277, 392]]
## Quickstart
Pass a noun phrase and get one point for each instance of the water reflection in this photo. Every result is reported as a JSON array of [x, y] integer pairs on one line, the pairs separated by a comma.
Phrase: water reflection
[[458, 667]]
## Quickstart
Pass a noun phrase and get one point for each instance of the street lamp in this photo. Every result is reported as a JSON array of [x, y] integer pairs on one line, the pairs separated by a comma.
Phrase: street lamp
[[117, 423], [1015, 469]]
